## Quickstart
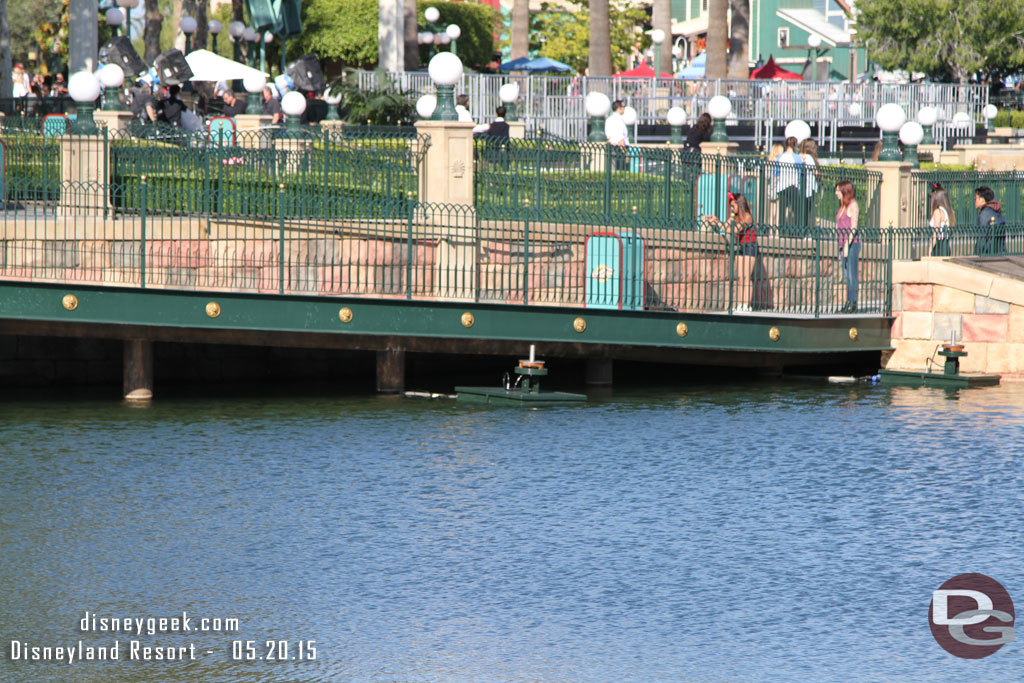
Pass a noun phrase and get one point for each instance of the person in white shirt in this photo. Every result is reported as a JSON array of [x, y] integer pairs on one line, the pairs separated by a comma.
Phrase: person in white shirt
[[788, 167], [462, 108], [615, 126]]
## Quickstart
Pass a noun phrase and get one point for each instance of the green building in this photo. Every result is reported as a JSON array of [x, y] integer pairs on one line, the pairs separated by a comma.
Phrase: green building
[[782, 29]]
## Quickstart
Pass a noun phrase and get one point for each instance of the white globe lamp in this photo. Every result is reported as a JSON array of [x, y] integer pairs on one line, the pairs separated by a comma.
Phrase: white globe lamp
[[431, 14], [453, 31], [814, 41], [236, 29], [597, 105], [254, 84], [114, 17], [719, 107], [855, 110], [890, 118], [927, 116], [425, 106], [445, 70], [676, 119], [84, 88], [798, 129], [112, 78], [293, 105], [911, 134], [989, 112], [508, 94]]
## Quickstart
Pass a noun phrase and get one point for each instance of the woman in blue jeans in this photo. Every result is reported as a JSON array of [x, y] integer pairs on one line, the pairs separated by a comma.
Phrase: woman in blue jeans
[[849, 241]]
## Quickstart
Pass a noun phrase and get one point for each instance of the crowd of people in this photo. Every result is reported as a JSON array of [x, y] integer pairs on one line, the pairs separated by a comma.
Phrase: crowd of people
[[38, 86]]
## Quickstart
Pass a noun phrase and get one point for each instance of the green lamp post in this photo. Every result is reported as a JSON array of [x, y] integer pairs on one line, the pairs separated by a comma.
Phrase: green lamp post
[[445, 70], [927, 116], [254, 85], [719, 107], [911, 134], [84, 88], [890, 118], [676, 119], [112, 78], [508, 94], [597, 105]]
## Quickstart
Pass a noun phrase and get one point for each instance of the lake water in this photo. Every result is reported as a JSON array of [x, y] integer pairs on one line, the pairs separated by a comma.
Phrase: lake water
[[789, 531]]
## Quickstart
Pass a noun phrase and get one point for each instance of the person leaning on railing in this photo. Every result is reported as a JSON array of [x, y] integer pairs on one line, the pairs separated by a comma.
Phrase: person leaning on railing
[[991, 238], [751, 276], [810, 175], [849, 240], [788, 164]]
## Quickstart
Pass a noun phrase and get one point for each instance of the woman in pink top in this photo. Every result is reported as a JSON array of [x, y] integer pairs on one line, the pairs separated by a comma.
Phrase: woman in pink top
[[849, 241]]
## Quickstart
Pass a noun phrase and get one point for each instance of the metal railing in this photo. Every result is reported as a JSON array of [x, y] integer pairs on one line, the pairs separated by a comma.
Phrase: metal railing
[[961, 240], [417, 251], [1008, 187], [601, 180], [556, 103]]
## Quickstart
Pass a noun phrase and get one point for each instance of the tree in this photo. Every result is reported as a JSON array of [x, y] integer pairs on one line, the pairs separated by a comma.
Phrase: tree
[[5, 52], [600, 52], [24, 19], [151, 31], [661, 17], [739, 34], [565, 35], [945, 39], [520, 29], [346, 30], [718, 25]]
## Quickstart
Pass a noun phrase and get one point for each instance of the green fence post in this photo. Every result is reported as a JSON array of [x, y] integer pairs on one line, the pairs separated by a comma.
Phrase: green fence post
[[668, 184], [280, 213], [145, 202], [526, 256], [817, 272], [608, 151], [888, 274], [410, 210], [732, 268]]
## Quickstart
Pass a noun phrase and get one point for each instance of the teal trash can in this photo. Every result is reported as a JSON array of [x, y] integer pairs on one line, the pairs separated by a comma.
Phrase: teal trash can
[[615, 271]]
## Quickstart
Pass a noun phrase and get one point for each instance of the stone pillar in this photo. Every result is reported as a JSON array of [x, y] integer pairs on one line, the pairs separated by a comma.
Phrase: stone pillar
[[115, 121], [248, 126], [894, 193], [391, 371], [934, 150], [719, 148], [517, 129], [446, 178], [447, 173], [391, 35], [138, 370], [83, 172], [599, 371]]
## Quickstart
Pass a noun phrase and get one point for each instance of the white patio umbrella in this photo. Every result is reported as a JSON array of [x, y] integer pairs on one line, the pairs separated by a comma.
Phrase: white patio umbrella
[[208, 66]]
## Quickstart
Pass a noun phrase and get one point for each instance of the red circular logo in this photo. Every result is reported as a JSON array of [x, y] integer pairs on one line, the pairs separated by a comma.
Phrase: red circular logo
[[971, 616]]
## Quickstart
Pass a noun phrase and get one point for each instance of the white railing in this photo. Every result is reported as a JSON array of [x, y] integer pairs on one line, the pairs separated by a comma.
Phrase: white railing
[[555, 103]]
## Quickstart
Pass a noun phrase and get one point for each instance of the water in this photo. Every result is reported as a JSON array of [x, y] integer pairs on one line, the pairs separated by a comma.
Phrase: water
[[747, 532]]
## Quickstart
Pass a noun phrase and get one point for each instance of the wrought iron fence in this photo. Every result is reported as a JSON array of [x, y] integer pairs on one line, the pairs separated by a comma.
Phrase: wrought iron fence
[[608, 183], [1008, 187], [961, 240], [412, 250]]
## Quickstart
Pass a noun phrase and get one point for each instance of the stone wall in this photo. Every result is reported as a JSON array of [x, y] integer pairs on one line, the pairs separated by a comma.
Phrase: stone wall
[[933, 300]]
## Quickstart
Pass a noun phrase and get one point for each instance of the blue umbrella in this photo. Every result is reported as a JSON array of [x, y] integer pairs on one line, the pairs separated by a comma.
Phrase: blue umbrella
[[696, 68], [515, 64], [546, 64]]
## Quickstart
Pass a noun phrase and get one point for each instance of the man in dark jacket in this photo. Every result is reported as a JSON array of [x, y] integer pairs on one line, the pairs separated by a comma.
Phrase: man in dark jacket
[[171, 107], [991, 238]]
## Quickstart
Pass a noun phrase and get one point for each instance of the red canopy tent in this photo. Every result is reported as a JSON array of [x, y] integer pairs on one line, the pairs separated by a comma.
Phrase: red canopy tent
[[642, 71], [772, 71]]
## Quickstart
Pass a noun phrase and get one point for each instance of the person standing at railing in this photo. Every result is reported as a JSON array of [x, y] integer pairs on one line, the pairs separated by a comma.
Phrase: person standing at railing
[[942, 219], [171, 107], [849, 240], [991, 231], [751, 276], [462, 108], [809, 179], [772, 215], [788, 165], [617, 132]]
